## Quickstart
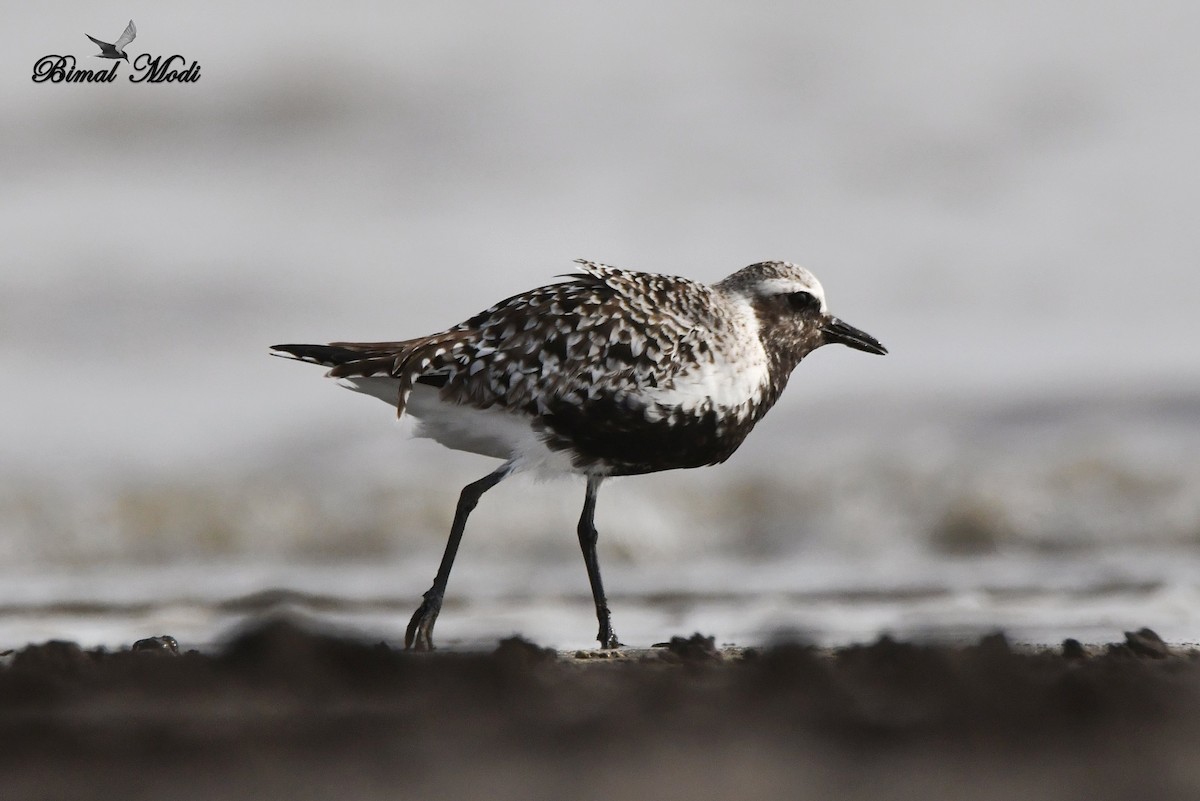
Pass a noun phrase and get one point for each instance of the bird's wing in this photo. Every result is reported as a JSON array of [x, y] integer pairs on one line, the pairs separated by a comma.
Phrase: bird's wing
[[126, 37], [609, 335], [103, 45], [604, 334]]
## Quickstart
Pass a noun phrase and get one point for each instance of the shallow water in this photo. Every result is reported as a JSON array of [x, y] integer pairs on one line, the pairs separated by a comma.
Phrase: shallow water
[[822, 599]]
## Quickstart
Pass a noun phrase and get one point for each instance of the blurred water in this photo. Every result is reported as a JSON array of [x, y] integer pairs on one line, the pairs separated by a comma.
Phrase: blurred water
[[1004, 196]]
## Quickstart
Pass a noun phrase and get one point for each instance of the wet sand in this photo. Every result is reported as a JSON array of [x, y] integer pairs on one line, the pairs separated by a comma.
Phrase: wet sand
[[280, 712]]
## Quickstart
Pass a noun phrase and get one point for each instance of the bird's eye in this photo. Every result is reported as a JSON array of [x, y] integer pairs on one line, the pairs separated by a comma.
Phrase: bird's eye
[[803, 301]]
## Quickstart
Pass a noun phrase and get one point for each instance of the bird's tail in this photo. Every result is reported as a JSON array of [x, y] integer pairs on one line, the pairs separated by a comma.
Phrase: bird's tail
[[350, 358], [328, 355], [362, 364]]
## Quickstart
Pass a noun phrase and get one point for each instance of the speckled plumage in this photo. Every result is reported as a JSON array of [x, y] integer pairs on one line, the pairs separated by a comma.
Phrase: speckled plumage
[[629, 372], [610, 372]]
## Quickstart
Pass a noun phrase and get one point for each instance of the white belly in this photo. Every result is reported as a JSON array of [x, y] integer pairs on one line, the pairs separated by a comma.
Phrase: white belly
[[487, 432]]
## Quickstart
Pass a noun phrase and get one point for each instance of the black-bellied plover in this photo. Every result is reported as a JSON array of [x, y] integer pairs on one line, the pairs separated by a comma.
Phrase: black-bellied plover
[[117, 48], [608, 373]]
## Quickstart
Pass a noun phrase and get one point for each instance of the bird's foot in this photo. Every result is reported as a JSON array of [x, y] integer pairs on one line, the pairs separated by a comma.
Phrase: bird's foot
[[419, 634], [608, 637]]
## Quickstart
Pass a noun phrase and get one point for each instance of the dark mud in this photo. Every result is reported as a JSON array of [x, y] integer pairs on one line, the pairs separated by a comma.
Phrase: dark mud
[[284, 713]]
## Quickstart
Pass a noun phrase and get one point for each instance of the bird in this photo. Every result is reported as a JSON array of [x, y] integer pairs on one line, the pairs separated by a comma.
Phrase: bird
[[117, 48], [610, 372]]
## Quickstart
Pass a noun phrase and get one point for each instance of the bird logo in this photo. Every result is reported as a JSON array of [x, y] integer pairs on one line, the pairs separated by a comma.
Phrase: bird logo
[[117, 48]]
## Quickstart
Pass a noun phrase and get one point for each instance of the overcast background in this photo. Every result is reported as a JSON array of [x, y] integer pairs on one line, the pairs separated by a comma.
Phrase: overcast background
[[1006, 196]]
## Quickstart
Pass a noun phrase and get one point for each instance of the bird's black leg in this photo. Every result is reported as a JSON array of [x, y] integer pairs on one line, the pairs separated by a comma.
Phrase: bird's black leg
[[419, 634], [587, 541]]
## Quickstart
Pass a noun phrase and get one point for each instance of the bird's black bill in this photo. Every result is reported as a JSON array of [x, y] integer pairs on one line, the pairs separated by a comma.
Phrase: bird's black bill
[[842, 334]]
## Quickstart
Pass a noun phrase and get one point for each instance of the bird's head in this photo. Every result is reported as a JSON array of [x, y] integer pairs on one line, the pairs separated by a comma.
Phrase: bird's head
[[789, 303]]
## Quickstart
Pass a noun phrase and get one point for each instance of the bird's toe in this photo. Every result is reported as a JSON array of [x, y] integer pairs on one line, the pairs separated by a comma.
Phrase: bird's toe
[[419, 634]]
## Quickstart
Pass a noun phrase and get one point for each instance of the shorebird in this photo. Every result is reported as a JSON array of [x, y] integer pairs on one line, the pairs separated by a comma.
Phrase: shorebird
[[609, 373], [117, 48]]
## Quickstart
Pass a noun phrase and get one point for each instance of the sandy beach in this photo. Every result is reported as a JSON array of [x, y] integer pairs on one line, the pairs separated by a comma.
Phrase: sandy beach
[[282, 712]]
